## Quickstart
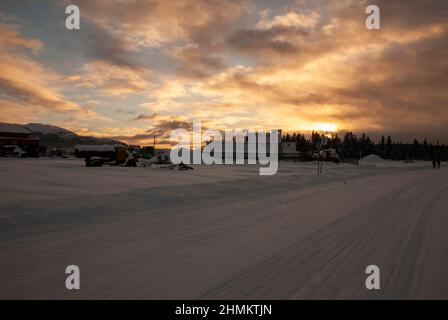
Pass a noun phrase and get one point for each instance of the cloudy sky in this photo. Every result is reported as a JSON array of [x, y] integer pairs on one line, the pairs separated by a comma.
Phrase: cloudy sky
[[139, 68]]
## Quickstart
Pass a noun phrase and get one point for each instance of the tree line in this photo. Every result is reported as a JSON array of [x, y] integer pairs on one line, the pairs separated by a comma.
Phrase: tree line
[[352, 146]]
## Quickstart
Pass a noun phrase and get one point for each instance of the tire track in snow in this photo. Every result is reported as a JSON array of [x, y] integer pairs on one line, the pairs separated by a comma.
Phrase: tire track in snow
[[308, 269]]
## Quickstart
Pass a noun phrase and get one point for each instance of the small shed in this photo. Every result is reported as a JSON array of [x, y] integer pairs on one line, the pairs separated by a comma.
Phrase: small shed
[[288, 150]]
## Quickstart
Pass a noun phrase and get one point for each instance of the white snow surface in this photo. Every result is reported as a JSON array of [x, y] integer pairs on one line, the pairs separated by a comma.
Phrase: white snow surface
[[223, 232]]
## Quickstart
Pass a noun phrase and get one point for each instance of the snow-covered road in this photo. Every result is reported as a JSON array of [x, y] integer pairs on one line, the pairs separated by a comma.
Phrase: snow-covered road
[[225, 232]]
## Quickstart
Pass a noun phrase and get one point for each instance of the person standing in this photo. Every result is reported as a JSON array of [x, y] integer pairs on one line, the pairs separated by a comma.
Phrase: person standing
[[436, 158]]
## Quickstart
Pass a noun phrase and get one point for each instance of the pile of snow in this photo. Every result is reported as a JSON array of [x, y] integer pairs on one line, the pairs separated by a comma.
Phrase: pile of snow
[[377, 162], [372, 159]]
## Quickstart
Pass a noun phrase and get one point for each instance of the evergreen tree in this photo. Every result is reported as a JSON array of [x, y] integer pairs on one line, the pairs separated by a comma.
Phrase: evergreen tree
[[426, 150], [389, 148], [415, 150], [383, 147]]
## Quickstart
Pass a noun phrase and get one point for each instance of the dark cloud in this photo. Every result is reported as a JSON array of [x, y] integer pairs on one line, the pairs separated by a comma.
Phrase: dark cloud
[[105, 46], [169, 125], [412, 13], [262, 42], [197, 63], [124, 32], [144, 117], [160, 129]]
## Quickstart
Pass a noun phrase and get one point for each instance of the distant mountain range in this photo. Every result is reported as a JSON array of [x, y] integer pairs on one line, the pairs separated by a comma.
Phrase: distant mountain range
[[53, 136]]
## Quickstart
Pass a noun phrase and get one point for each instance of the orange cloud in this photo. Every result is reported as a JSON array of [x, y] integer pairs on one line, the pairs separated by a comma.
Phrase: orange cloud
[[296, 65], [24, 80], [110, 79]]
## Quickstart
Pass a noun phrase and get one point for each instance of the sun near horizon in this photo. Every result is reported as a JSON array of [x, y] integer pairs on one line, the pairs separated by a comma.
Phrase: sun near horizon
[[135, 70]]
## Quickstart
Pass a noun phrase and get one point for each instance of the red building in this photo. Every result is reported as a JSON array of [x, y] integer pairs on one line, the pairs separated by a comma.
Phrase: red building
[[13, 136]]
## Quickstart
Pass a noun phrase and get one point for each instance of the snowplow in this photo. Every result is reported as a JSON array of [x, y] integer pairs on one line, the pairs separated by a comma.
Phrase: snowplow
[[99, 155]]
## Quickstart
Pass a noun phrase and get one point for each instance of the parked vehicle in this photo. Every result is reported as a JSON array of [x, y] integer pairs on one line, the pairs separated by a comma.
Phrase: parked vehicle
[[99, 155]]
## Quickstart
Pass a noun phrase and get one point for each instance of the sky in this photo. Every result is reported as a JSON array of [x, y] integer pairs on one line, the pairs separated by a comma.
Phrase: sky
[[136, 69]]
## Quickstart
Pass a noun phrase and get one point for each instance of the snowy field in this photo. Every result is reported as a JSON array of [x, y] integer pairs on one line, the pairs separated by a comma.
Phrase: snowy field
[[223, 231]]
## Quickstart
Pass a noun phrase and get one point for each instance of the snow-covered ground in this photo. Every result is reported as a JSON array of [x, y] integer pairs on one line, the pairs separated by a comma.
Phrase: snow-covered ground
[[223, 231]]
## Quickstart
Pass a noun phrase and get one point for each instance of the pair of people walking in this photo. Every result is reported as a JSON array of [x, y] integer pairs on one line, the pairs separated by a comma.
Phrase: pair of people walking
[[436, 164]]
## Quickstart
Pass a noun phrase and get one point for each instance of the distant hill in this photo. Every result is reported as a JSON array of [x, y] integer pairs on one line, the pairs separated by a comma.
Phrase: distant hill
[[49, 129], [53, 136]]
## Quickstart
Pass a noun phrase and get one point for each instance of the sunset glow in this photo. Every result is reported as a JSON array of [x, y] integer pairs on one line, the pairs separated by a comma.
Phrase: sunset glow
[[139, 69], [326, 127]]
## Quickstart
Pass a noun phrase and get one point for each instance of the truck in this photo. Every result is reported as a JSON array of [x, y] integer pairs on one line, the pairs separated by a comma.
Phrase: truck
[[99, 155]]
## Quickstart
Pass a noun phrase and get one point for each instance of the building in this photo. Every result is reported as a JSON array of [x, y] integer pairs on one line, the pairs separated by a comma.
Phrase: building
[[13, 137], [244, 148], [288, 150]]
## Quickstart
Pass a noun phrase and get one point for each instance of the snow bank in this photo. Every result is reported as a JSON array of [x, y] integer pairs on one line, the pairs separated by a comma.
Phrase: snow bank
[[375, 161], [45, 179], [372, 159]]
